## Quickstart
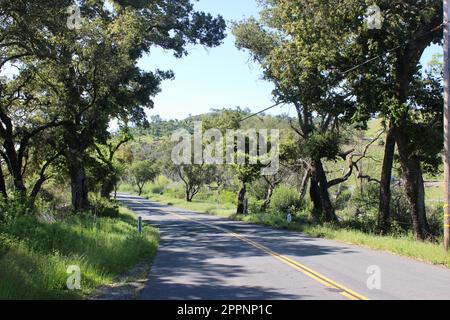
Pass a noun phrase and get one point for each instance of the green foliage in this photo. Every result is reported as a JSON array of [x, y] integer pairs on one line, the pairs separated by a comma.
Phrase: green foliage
[[323, 146], [285, 199], [102, 207], [226, 196], [102, 248], [14, 208], [176, 190], [144, 172]]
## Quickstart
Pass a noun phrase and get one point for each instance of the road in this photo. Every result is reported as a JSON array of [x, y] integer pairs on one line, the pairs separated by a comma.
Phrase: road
[[206, 257]]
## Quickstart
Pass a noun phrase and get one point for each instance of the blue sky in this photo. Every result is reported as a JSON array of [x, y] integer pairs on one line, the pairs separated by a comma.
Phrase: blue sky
[[221, 77], [211, 78]]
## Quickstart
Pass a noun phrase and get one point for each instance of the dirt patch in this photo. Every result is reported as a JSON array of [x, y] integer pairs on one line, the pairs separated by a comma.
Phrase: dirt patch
[[127, 286]]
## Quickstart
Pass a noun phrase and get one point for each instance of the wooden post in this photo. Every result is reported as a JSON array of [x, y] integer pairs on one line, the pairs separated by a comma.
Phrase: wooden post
[[446, 125]]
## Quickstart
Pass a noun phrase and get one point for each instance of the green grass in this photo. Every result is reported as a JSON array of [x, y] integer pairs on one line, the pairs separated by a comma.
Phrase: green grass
[[34, 256], [202, 206]]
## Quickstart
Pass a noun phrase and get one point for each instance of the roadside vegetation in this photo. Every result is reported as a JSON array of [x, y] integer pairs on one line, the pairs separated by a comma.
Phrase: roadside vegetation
[[37, 250]]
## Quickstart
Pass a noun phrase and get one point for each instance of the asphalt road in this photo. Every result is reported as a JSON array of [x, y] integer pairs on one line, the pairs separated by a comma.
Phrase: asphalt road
[[205, 257]]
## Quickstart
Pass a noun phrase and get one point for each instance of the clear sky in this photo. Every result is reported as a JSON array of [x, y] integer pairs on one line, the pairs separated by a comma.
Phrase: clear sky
[[222, 77]]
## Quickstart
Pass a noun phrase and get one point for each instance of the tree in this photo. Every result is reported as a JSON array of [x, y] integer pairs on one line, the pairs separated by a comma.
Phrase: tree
[[144, 172], [25, 111], [384, 85], [91, 73], [26, 118], [322, 60], [107, 153], [245, 173], [291, 164], [299, 68], [194, 177]]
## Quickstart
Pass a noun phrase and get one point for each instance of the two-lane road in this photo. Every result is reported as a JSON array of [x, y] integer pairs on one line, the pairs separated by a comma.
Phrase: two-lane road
[[205, 257]]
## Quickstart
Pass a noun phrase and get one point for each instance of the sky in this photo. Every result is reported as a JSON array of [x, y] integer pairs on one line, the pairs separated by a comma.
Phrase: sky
[[212, 78], [216, 78]]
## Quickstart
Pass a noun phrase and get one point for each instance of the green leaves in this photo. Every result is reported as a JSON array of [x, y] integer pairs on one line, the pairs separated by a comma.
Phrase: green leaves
[[323, 146]]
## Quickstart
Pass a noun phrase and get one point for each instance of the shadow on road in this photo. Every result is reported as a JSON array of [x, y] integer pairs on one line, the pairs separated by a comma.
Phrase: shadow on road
[[199, 262]]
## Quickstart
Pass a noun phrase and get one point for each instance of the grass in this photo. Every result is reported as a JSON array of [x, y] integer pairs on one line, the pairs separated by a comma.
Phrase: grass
[[34, 256], [407, 246], [202, 206]]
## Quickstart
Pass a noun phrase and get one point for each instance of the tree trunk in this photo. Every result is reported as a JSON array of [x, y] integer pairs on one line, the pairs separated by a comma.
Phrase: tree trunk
[[415, 189], [14, 164], [315, 196], [140, 187], [188, 195], [36, 189], [411, 165], [304, 185], [384, 213], [241, 199], [3, 191], [266, 203], [320, 194], [78, 185]]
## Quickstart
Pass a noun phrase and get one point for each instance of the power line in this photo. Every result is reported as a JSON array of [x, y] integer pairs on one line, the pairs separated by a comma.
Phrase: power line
[[361, 64], [262, 111]]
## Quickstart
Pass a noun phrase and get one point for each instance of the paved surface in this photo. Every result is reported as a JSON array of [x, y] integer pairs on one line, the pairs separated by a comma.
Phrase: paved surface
[[205, 257]]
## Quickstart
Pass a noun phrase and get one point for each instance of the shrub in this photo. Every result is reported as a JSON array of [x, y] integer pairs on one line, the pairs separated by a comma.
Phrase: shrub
[[13, 208], [254, 205], [160, 186], [175, 190], [285, 198], [226, 196], [104, 208]]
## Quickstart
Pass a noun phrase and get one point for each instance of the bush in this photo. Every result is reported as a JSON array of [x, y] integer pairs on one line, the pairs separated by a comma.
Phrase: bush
[[226, 196], [104, 208], [175, 190], [13, 208], [254, 205], [160, 186], [285, 198]]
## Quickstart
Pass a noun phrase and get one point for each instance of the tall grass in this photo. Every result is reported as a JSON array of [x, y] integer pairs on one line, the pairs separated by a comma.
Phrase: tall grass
[[34, 256]]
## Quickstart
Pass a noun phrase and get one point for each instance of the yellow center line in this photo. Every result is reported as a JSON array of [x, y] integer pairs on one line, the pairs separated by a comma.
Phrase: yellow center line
[[344, 291]]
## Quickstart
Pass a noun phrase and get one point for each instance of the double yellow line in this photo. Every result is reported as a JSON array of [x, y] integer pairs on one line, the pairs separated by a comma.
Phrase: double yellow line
[[344, 291]]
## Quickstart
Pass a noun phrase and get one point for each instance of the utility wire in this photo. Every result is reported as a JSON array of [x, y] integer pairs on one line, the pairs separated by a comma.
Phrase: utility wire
[[262, 111], [360, 65]]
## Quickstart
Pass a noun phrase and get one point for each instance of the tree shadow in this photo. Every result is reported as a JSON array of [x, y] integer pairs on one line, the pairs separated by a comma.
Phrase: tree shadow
[[196, 261]]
